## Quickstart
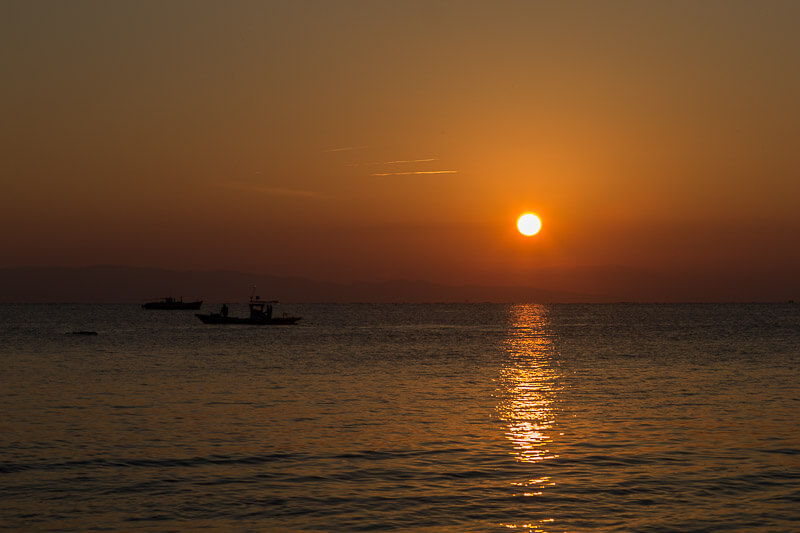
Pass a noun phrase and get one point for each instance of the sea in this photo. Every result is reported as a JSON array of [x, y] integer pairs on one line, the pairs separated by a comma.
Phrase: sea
[[379, 417]]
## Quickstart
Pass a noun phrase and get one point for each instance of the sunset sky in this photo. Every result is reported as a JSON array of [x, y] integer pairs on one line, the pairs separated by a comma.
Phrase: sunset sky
[[377, 140]]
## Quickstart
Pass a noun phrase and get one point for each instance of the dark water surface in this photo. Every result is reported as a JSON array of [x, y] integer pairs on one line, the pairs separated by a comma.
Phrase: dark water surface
[[409, 417]]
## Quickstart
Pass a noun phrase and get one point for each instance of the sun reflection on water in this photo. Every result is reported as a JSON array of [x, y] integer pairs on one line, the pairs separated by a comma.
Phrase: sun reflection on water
[[528, 394], [529, 380]]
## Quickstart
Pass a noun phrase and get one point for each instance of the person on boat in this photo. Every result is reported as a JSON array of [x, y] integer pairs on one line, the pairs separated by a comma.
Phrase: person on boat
[[224, 310]]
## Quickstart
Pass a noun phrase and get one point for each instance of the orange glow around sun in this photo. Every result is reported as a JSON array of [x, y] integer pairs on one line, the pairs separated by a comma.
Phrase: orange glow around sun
[[529, 224]]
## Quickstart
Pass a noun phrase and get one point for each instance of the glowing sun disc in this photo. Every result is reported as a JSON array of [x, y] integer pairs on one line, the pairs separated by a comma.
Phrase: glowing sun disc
[[529, 224]]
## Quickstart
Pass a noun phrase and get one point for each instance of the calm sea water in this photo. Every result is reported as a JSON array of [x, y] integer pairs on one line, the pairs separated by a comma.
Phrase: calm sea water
[[410, 417]]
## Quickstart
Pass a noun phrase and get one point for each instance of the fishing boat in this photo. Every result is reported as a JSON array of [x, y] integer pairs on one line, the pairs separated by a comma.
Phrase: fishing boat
[[260, 315], [170, 303]]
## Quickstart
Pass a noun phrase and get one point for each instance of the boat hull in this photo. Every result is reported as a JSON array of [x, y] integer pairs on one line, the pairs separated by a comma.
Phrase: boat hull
[[216, 318]]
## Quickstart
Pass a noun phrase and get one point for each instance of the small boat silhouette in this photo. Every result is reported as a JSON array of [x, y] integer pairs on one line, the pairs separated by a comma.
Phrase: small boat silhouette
[[170, 303], [260, 315]]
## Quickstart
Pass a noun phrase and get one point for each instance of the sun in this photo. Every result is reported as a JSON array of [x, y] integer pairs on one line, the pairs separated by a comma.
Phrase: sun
[[529, 224]]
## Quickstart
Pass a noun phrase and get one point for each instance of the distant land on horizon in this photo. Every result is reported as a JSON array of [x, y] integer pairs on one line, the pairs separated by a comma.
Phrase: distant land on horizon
[[119, 284]]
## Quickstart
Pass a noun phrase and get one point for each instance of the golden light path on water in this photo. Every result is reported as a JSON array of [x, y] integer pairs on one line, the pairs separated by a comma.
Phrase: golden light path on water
[[529, 391]]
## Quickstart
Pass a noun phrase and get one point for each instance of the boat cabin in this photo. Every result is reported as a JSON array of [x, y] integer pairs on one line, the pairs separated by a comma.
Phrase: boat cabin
[[260, 309]]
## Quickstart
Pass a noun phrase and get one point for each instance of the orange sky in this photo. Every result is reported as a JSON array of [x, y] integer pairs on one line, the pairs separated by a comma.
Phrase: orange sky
[[371, 141]]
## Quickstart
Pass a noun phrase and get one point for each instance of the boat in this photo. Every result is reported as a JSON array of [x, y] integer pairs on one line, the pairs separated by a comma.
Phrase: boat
[[260, 315], [171, 303]]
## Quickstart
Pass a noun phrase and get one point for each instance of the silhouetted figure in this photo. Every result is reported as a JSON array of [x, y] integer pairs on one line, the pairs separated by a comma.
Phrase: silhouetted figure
[[269, 311], [224, 310]]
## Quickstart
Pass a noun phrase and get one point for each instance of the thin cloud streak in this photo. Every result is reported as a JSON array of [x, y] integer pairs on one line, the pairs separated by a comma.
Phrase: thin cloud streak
[[273, 191], [400, 161], [414, 173], [345, 149]]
